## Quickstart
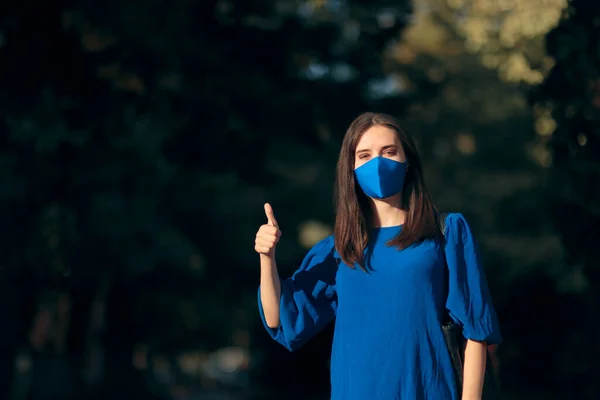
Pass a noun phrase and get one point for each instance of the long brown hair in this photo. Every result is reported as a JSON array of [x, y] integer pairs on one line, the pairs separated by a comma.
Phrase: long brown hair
[[353, 212]]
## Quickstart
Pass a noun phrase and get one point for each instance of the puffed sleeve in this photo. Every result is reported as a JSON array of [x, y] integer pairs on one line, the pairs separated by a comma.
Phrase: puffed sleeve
[[469, 302], [308, 298]]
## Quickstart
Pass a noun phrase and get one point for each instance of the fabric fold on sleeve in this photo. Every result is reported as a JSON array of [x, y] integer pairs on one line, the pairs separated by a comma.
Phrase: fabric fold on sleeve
[[308, 299], [469, 300]]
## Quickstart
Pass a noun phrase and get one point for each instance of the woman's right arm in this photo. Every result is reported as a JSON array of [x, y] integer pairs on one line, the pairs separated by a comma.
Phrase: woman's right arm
[[295, 309], [270, 286], [270, 290]]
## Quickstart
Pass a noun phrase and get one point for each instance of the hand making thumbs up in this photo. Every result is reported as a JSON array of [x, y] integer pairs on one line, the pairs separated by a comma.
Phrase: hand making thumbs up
[[268, 235]]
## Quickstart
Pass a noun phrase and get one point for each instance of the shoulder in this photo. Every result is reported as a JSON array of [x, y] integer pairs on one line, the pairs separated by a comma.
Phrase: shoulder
[[455, 218], [323, 246], [328, 242], [320, 257], [456, 227]]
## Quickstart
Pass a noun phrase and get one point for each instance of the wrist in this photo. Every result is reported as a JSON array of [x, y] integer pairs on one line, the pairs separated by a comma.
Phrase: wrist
[[268, 257]]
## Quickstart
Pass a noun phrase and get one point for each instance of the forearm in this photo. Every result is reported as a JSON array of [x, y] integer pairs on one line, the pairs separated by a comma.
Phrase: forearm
[[270, 290], [474, 370]]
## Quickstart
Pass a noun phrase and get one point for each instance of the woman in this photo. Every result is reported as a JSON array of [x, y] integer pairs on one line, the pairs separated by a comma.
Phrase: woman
[[383, 277]]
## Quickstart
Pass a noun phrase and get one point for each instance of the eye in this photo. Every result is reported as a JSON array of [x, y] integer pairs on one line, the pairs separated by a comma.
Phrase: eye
[[363, 156], [391, 152]]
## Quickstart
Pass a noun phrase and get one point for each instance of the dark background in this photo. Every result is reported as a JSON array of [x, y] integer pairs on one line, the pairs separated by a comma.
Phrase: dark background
[[140, 139]]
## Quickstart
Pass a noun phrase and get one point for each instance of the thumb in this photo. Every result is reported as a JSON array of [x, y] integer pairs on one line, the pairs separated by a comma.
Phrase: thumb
[[270, 215]]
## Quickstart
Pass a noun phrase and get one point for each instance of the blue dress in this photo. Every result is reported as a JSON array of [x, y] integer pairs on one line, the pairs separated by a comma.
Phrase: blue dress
[[388, 342]]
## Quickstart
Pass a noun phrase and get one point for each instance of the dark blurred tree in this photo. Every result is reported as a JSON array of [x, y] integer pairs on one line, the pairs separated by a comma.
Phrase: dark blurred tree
[[572, 93]]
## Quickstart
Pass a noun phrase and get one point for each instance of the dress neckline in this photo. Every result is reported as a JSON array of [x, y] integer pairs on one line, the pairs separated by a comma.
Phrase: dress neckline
[[384, 234]]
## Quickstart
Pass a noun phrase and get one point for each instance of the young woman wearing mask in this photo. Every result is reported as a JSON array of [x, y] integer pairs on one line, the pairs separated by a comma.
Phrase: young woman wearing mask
[[388, 277]]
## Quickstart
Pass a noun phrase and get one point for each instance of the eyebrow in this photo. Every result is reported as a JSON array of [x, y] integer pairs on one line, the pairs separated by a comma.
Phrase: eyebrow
[[389, 146]]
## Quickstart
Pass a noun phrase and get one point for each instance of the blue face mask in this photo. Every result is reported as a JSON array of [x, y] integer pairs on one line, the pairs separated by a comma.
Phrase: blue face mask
[[381, 177]]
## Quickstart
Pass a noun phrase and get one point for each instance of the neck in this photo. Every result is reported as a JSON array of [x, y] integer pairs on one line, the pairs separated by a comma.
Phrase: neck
[[388, 212]]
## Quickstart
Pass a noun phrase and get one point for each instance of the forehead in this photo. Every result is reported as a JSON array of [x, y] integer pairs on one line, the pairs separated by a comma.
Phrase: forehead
[[377, 136]]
